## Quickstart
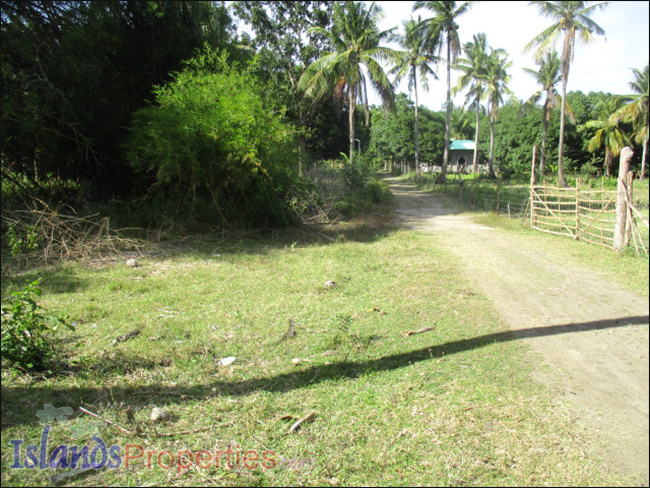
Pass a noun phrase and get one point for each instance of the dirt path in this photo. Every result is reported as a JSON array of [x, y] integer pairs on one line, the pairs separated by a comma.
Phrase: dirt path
[[596, 356]]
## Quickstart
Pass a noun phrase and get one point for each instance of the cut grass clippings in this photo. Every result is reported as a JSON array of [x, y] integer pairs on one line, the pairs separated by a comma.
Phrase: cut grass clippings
[[452, 405]]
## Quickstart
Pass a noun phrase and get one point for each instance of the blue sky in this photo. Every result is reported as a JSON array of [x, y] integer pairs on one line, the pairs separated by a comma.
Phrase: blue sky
[[605, 65]]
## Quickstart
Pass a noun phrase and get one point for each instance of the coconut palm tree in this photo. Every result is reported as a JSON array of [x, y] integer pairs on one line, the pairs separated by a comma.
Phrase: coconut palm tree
[[548, 75], [346, 72], [443, 29], [495, 78], [462, 123], [570, 19], [637, 112], [473, 69], [414, 61], [608, 133]]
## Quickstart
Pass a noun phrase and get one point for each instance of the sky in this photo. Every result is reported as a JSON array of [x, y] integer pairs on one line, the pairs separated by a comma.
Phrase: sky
[[604, 65]]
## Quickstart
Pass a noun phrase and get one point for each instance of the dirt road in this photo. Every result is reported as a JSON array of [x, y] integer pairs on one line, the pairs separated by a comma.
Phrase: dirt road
[[591, 334]]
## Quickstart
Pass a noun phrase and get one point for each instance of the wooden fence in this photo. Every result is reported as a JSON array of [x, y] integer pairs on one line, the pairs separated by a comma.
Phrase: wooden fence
[[587, 215], [602, 217]]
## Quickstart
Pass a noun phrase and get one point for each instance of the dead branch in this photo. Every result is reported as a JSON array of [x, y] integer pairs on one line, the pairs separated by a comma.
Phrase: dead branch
[[419, 331], [126, 431], [53, 235], [307, 418]]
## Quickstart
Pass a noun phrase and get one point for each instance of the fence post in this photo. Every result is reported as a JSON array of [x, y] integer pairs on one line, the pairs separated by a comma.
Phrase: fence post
[[578, 209], [533, 174], [498, 196], [629, 184], [620, 236], [533, 184]]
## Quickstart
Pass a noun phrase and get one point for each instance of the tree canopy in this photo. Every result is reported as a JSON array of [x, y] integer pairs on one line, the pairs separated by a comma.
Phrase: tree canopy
[[215, 110]]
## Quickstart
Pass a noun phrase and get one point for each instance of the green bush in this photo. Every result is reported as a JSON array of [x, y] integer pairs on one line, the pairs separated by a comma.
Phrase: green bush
[[378, 192], [590, 170], [346, 208], [211, 134], [26, 331], [19, 243], [51, 189]]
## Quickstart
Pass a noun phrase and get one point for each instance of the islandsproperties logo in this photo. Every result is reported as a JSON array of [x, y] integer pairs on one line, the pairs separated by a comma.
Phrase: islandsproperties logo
[[99, 455]]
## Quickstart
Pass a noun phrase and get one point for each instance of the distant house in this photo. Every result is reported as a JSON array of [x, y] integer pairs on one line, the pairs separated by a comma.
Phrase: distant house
[[461, 149]]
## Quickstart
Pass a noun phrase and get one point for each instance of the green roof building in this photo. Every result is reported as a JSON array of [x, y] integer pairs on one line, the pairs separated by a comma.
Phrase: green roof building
[[461, 155], [462, 146]]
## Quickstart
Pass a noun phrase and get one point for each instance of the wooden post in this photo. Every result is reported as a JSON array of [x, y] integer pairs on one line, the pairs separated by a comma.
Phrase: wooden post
[[533, 184], [533, 221], [533, 174], [578, 209], [621, 206], [628, 201], [498, 196]]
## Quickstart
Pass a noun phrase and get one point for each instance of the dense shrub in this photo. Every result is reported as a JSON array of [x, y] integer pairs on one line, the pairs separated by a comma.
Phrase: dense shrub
[[26, 331], [210, 133], [336, 188]]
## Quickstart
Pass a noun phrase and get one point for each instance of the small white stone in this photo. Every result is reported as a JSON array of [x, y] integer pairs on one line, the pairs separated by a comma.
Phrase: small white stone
[[227, 361], [158, 414]]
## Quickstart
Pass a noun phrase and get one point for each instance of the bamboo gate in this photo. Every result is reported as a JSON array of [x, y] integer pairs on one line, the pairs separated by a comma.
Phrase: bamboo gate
[[602, 217]]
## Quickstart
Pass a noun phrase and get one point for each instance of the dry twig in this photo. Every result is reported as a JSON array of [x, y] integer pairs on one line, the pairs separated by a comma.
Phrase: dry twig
[[419, 331], [296, 426], [126, 431]]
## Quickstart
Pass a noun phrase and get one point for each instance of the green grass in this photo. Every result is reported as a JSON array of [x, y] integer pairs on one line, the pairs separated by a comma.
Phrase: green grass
[[453, 406]]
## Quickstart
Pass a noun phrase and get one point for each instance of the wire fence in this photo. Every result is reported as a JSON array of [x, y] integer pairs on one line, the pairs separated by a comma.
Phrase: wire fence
[[511, 200]]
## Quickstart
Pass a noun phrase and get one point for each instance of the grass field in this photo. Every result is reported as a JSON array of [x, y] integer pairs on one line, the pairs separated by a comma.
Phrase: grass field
[[454, 405]]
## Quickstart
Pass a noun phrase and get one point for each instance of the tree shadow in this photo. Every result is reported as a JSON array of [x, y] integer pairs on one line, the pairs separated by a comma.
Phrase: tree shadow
[[55, 279], [14, 397], [366, 228]]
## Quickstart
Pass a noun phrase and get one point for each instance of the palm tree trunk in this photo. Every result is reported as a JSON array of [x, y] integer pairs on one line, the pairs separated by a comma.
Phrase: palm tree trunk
[[608, 161], [542, 159], [475, 158], [491, 160], [560, 157], [352, 101], [445, 159], [644, 155], [417, 128]]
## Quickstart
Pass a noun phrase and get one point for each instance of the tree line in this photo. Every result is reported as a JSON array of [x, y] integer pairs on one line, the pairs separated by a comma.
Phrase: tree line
[[170, 103]]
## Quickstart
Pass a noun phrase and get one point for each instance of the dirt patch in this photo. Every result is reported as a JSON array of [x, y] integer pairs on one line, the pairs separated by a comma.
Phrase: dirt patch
[[590, 334]]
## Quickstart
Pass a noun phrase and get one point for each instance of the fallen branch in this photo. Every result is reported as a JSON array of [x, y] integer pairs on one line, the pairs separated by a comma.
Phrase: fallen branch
[[291, 332], [58, 234], [419, 331], [126, 337], [126, 431], [297, 425]]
